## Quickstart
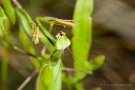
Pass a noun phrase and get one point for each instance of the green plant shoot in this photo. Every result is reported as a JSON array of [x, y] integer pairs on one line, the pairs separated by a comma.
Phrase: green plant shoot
[[50, 72]]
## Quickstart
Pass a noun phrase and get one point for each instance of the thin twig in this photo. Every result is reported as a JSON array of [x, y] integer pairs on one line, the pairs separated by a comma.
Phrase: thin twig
[[27, 80], [43, 50], [17, 3], [20, 50]]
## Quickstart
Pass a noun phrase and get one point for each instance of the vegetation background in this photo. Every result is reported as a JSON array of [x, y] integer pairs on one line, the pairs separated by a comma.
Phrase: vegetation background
[[113, 36]]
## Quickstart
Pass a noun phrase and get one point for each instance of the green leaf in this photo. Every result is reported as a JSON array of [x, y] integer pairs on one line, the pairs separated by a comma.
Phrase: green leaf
[[96, 62], [28, 46], [1, 28], [5, 33], [9, 10], [82, 34], [2, 18], [25, 19], [2, 14]]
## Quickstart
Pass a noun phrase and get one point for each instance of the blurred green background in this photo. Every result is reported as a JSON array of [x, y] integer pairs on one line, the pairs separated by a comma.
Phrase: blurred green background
[[113, 36]]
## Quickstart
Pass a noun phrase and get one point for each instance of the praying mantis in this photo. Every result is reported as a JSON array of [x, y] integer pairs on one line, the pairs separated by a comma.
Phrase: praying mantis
[[49, 77], [49, 72]]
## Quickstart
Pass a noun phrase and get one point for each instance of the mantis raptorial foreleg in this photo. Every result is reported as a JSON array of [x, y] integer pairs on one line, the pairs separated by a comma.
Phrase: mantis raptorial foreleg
[[52, 21]]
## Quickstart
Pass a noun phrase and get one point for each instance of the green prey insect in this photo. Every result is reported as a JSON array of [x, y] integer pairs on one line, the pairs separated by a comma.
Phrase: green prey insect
[[56, 21], [36, 34]]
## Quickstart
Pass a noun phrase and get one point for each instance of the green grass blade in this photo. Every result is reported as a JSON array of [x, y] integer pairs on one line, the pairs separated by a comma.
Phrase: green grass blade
[[9, 10], [4, 32], [4, 63], [82, 34], [28, 46], [2, 17], [2, 14], [25, 20]]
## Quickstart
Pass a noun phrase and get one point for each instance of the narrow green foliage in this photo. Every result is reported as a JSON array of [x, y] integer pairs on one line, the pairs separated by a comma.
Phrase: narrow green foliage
[[9, 10], [25, 20], [28, 46], [22, 35], [82, 34], [4, 32], [2, 14], [4, 63], [2, 17], [96, 62]]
